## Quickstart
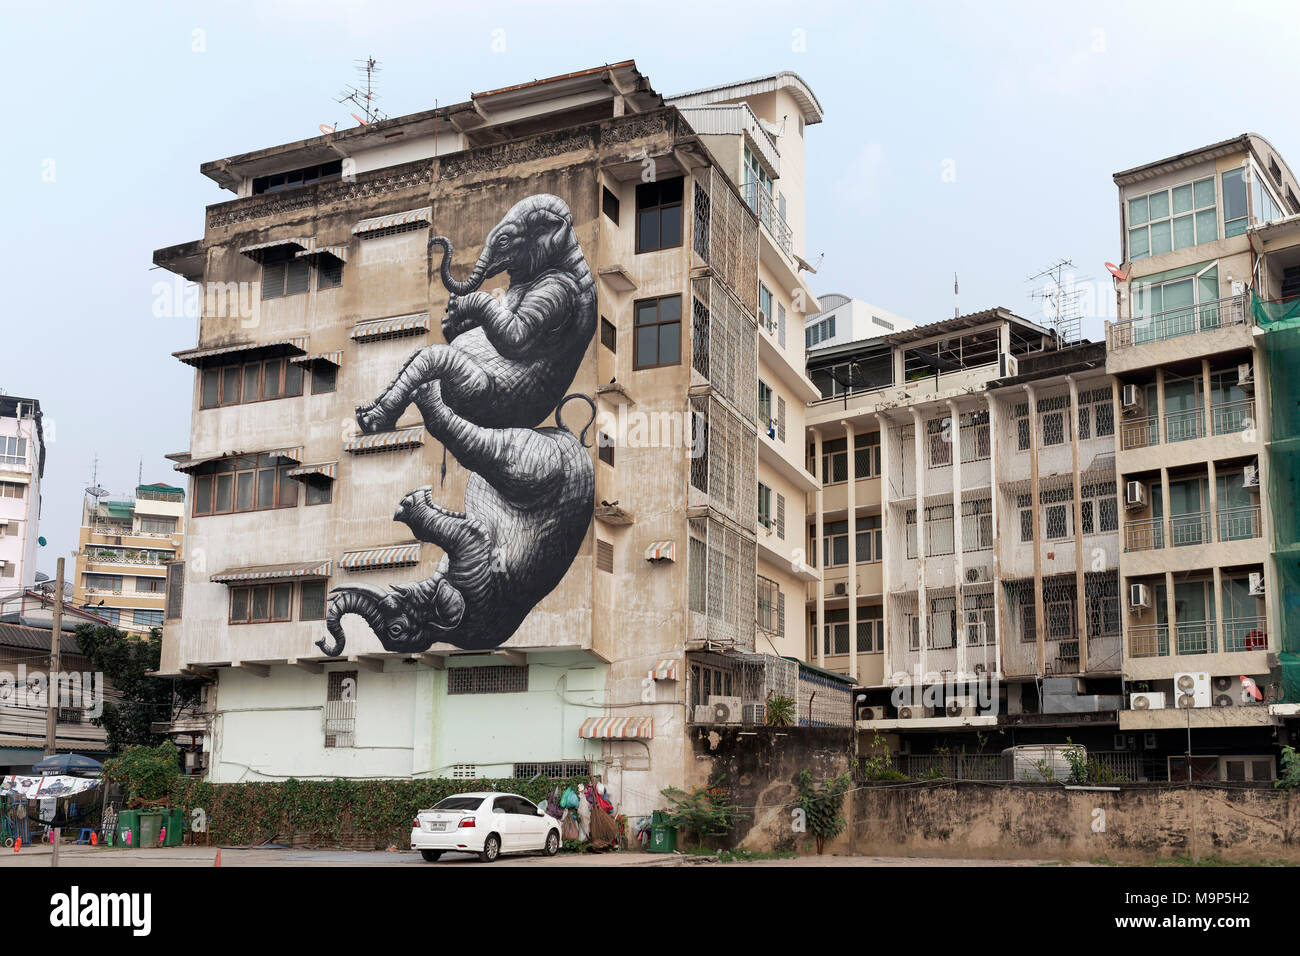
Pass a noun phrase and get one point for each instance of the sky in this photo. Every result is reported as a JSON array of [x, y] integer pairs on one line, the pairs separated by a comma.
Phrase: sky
[[970, 138]]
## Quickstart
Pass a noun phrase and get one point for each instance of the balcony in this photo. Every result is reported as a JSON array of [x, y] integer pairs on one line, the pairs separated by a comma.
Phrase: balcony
[[1245, 634], [1239, 524], [1193, 528], [1198, 637], [1189, 529], [1184, 425], [1232, 417], [1175, 323], [761, 203], [1140, 433], [1145, 535]]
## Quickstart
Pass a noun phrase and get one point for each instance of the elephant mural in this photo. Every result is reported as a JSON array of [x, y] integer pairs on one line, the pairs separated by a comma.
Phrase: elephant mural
[[506, 363], [530, 497]]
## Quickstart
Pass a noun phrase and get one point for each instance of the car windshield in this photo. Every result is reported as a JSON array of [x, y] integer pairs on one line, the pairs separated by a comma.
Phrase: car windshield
[[459, 803]]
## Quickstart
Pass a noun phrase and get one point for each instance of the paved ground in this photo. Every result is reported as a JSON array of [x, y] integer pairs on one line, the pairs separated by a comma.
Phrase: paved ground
[[205, 856]]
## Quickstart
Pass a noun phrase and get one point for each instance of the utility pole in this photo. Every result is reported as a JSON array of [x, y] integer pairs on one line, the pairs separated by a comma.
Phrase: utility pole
[[52, 683]]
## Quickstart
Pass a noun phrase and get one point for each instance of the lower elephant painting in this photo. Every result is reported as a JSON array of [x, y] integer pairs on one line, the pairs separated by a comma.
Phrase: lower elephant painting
[[530, 497]]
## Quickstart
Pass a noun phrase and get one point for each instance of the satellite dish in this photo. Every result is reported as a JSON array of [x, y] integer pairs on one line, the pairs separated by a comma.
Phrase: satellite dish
[[1117, 272], [41, 576], [326, 128], [359, 119], [95, 491]]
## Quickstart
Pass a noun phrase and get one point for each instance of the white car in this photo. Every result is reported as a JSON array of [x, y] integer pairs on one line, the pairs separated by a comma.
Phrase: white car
[[488, 824]]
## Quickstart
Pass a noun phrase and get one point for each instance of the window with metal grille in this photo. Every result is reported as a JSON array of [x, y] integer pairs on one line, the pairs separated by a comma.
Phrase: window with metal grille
[[780, 516], [311, 603], [699, 569], [938, 530], [975, 436], [340, 715], [1053, 412], [175, 590], [939, 433], [871, 629], [609, 206], [979, 610], [870, 539], [1025, 504], [942, 624], [977, 524], [768, 597], [324, 377], [329, 273], [866, 455], [608, 334], [604, 556], [1096, 414], [1022, 427], [555, 770], [507, 679], [284, 275], [71, 715], [1099, 507]]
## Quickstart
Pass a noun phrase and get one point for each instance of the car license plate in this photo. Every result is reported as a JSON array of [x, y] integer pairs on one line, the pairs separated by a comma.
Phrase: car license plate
[[437, 826]]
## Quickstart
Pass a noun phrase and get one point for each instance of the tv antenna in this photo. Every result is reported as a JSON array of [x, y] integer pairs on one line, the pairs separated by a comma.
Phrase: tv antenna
[[93, 489], [364, 97], [1060, 292]]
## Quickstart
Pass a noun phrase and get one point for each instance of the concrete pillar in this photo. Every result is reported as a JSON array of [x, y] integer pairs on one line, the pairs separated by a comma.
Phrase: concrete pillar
[[959, 559], [1217, 647], [995, 501], [1166, 521], [1206, 406], [1040, 532], [1080, 594], [887, 532], [1170, 612], [849, 434], [1160, 406], [922, 603], [1212, 506], [819, 626]]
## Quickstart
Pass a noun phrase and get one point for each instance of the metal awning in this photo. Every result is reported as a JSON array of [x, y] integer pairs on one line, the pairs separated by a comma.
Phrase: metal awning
[[188, 465], [259, 249], [200, 358], [661, 551], [389, 557], [665, 670], [338, 252], [324, 469], [333, 358], [390, 327], [385, 441], [264, 572], [607, 728], [424, 214]]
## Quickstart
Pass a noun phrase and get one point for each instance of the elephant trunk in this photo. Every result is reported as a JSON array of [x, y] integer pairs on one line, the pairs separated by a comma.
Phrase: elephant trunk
[[476, 277], [364, 602]]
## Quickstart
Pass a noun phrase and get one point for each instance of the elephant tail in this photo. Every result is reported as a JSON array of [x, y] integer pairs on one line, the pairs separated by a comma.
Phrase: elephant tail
[[451, 283], [560, 408]]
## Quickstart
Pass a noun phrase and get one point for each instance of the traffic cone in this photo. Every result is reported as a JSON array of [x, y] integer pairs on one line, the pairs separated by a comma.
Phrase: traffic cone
[[217, 861], [94, 838]]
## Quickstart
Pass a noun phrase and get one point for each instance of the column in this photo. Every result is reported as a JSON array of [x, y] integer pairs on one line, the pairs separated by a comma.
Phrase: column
[[849, 434], [819, 557]]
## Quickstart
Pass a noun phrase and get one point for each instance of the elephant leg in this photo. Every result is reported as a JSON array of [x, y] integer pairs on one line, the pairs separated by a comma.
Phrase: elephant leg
[[434, 363]]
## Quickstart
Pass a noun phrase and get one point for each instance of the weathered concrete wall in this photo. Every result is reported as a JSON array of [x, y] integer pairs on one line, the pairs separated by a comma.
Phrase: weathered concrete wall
[[759, 766], [971, 820]]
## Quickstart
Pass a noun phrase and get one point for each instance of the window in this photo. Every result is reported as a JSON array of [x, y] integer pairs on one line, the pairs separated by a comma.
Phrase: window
[[1099, 507], [764, 306], [1025, 504], [765, 418], [658, 332], [1022, 427], [1096, 414], [329, 273], [866, 455], [1266, 208], [1234, 202], [980, 613], [869, 547], [1175, 218], [605, 448], [977, 524], [104, 582], [764, 505], [608, 334], [311, 601], [250, 382], [771, 606], [13, 451], [604, 556], [871, 629], [247, 483], [1058, 512], [175, 590], [938, 530], [12, 489], [284, 274], [709, 682], [558, 770], [158, 525], [487, 680], [939, 434], [147, 618], [340, 708], [318, 491], [149, 585], [609, 204], [1054, 416], [297, 177], [323, 378], [261, 603], [659, 215], [942, 624], [835, 548], [975, 436]]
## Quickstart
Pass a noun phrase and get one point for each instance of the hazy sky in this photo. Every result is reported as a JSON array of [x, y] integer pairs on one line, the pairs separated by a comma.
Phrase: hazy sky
[[970, 138]]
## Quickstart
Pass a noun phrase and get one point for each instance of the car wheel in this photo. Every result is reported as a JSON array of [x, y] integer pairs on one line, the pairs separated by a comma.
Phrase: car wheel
[[491, 848], [552, 843], [431, 856]]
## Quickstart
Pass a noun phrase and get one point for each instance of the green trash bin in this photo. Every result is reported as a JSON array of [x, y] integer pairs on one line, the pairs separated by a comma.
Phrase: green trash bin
[[128, 824], [151, 823], [174, 821], [663, 838]]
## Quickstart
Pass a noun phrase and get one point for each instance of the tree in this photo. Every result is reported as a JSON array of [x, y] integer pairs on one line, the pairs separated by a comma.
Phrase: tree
[[822, 804], [126, 664], [704, 811], [145, 773]]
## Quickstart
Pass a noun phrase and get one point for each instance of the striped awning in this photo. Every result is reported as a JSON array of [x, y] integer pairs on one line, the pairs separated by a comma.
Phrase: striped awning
[[338, 252], [333, 358], [392, 326], [324, 469], [242, 350], [259, 249], [661, 551], [385, 441], [264, 572], [665, 670], [188, 465], [606, 728], [424, 214], [390, 557]]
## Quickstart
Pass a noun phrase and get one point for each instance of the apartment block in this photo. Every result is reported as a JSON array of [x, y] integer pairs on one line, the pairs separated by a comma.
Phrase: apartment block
[[843, 321], [124, 550], [22, 466]]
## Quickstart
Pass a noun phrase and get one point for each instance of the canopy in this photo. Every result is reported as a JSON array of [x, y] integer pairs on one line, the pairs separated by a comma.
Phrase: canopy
[[67, 763]]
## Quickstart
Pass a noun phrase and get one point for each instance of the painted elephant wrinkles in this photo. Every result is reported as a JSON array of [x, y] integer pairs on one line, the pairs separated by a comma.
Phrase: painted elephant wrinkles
[[508, 362], [527, 509]]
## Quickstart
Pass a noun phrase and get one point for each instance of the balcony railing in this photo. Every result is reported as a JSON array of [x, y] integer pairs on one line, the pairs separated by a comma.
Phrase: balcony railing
[[1174, 323], [1151, 640], [1232, 417], [1198, 637], [1188, 529], [1145, 535], [1245, 634], [1184, 425], [108, 556], [1238, 524], [762, 203], [1140, 433]]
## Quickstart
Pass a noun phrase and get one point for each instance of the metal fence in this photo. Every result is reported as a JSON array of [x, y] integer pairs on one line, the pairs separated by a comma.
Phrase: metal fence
[[1116, 766]]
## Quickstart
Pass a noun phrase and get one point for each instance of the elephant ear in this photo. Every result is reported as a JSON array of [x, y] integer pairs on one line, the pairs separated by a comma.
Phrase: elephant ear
[[554, 235]]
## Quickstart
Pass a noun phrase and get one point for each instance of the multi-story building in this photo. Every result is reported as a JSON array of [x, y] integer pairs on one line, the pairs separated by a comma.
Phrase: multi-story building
[[1204, 235], [123, 553], [572, 607], [22, 466], [842, 321]]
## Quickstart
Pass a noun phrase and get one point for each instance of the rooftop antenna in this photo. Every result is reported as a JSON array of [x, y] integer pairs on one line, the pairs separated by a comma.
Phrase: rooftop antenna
[[93, 489], [364, 97], [1060, 293], [956, 311]]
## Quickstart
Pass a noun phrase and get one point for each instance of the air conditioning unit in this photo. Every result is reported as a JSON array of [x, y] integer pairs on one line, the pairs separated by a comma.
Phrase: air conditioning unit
[[871, 713], [1191, 689], [1250, 476], [913, 711], [753, 714], [1131, 399], [1008, 366], [1147, 700], [1224, 700], [726, 710], [841, 588], [703, 714], [1135, 494], [1256, 581], [960, 707], [1223, 684], [977, 574], [1246, 378], [1139, 598]]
